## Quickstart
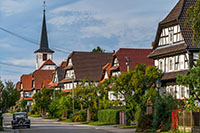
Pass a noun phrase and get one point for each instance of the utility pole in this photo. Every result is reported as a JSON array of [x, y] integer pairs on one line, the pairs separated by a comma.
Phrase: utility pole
[[73, 93]]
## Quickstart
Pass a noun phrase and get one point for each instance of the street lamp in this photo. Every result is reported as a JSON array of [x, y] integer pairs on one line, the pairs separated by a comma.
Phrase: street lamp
[[158, 84], [73, 92]]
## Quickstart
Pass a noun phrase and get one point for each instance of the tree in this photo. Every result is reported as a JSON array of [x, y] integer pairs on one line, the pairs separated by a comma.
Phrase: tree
[[87, 92], [134, 84], [43, 100], [9, 95], [98, 50], [193, 21], [23, 104]]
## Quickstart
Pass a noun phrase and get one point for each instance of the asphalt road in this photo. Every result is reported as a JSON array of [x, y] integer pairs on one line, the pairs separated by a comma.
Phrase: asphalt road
[[39, 125]]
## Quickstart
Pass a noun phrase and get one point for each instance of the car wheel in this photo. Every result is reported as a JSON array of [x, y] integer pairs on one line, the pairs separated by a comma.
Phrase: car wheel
[[13, 127], [29, 126]]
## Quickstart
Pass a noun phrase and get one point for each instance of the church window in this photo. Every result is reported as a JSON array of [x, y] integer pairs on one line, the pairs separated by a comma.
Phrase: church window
[[44, 57]]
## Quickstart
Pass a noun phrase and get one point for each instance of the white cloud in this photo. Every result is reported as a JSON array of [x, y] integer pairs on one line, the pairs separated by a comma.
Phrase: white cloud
[[24, 62], [5, 46], [120, 20], [9, 77], [12, 7]]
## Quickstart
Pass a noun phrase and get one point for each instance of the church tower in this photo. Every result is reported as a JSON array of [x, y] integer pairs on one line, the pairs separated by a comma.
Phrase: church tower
[[43, 53]]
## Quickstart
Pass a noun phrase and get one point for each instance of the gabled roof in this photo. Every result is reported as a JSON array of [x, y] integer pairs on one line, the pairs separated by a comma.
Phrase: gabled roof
[[63, 64], [136, 56], [44, 46], [41, 77], [88, 65], [18, 86], [176, 16], [48, 62], [105, 69], [26, 82]]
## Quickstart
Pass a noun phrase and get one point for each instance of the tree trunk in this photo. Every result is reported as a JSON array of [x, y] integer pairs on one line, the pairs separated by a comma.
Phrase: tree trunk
[[88, 115]]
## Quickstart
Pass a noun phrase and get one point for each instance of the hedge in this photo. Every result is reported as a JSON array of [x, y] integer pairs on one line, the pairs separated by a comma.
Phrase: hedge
[[109, 115]]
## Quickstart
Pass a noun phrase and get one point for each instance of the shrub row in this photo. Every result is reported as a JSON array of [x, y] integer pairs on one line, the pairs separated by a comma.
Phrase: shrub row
[[109, 115]]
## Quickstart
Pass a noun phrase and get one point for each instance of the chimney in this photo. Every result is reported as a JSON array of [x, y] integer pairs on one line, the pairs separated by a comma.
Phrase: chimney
[[153, 45]]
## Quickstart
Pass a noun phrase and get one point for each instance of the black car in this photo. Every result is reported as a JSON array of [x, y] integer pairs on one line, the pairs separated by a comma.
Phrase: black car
[[20, 119]]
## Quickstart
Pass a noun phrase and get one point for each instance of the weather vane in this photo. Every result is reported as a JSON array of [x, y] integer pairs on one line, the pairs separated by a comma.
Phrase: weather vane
[[44, 2]]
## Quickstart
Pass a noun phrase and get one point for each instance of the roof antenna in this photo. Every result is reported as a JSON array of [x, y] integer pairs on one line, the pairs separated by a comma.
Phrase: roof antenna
[[44, 5]]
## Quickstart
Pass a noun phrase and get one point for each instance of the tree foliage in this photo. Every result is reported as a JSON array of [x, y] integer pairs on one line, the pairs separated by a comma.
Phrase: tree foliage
[[98, 50], [9, 95], [43, 99], [193, 21]]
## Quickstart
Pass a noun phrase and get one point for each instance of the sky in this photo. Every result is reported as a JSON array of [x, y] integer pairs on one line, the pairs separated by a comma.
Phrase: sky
[[74, 25]]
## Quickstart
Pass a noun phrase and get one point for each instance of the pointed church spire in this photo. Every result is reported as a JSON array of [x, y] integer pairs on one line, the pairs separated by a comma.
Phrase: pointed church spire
[[44, 46]]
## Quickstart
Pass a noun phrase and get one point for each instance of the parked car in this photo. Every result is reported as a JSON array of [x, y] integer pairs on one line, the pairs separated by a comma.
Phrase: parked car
[[20, 119]]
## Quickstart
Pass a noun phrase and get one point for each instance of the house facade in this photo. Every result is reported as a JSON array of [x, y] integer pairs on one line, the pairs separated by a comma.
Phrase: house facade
[[57, 76], [85, 66], [124, 60], [173, 50]]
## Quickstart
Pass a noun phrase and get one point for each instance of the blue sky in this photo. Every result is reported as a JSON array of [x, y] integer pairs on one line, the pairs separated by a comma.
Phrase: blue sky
[[75, 25]]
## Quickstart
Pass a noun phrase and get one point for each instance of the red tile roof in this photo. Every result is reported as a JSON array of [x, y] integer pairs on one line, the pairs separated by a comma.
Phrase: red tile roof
[[18, 85], [48, 62], [136, 56], [26, 82], [42, 78], [105, 69], [63, 64]]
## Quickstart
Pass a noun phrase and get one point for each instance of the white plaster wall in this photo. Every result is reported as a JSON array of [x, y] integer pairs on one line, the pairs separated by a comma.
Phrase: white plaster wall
[[39, 59], [49, 67]]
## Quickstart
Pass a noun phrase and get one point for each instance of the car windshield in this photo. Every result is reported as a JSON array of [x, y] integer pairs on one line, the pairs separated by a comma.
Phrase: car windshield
[[19, 116]]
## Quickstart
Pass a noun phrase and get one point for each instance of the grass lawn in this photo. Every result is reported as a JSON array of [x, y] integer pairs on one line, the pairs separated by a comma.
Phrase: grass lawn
[[97, 123], [124, 127], [34, 115], [65, 120], [50, 118]]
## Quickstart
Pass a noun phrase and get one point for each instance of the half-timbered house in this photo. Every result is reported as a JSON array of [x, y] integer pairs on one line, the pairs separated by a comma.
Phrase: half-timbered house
[[173, 50]]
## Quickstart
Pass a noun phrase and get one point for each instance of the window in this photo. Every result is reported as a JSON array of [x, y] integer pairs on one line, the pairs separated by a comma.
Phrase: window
[[176, 62], [171, 36], [185, 62], [182, 92], [161, 65], [44, 57], [170, 64], [116, 62]]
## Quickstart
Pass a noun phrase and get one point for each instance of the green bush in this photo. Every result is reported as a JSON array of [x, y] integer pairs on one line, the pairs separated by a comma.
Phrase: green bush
[[79, 116], [109, 115], [145, 122], [163, 107]]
